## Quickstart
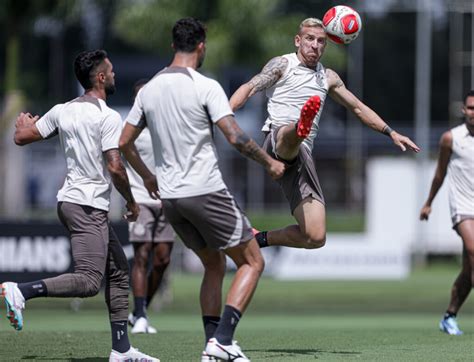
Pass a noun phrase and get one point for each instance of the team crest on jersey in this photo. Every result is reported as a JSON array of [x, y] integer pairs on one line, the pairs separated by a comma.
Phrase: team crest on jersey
[[319, 77]]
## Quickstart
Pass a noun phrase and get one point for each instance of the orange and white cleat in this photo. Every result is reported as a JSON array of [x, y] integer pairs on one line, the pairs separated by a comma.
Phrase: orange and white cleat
[[308, 113]]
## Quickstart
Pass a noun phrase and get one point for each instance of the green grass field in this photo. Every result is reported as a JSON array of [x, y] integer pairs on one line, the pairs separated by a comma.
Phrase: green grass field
[[287, 321]]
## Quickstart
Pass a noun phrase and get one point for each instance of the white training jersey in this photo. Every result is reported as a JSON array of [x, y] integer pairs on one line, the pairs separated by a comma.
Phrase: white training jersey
[[86, 128], [145, 149], [180, 106], [293, 89], [461, 172]]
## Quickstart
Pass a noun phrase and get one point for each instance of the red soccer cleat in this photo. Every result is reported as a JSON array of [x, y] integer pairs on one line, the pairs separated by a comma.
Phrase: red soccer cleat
[[308, 113]]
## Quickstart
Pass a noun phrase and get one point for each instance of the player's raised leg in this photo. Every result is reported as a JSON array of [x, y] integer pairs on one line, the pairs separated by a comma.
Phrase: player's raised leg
[[290, 137], [309, 233]]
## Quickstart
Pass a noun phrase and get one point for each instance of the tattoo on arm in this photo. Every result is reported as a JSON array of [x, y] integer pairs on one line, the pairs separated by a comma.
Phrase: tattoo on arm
[[338, 83], [269, 75], [241, 141], [118, 174]]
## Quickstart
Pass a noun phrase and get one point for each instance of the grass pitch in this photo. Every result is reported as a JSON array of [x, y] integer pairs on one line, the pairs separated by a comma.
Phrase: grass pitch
[[287, 321]]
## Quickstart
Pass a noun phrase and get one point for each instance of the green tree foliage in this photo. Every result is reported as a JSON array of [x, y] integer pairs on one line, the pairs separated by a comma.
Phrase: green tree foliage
[[240, 32]]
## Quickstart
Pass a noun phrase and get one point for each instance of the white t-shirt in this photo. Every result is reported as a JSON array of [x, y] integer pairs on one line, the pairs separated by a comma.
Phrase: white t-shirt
[[86, 128], [145, 149], [287, 96], [180, 106], [461, 172]]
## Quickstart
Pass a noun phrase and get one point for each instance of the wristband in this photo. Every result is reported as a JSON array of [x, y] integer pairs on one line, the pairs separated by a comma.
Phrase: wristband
[[387, 130]]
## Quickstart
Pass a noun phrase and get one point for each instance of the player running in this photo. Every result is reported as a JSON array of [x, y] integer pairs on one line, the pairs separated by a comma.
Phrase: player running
[[89, 133], [456, 159]]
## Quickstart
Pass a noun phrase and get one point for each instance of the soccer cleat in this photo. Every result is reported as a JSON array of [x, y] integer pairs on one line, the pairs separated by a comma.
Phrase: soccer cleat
[[131, 319], [307, 115], [450, 326], [132, 355], [231, 352], [142, 326], [15, 303], [206, 358]]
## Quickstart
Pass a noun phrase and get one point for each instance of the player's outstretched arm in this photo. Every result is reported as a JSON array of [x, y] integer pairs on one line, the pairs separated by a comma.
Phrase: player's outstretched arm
[[26, 131], [247, 146], [269, 75], [130, 152], [445, 149], [339, 92], [120, 180]]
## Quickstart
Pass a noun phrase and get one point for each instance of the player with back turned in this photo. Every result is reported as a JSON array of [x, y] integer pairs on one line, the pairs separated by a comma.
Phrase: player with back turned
[[180, 107]]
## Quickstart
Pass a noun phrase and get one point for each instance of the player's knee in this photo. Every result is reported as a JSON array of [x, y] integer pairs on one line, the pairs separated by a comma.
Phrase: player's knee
[[259, 264], [315, 240], [162, 262], [140, 261], [215, 264], [92, 288]]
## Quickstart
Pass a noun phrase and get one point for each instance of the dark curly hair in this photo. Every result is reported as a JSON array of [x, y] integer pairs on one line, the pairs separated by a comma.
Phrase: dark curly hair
[[187, 34], [469, 94], [86, 64]]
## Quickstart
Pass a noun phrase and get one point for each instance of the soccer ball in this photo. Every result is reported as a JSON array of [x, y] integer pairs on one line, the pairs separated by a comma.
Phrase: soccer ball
[[342, 24]]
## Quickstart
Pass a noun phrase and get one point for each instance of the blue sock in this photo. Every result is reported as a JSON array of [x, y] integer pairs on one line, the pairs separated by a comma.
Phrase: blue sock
[[229, 320], [140, 307], [33, 289], [120, 342], [210, 325]]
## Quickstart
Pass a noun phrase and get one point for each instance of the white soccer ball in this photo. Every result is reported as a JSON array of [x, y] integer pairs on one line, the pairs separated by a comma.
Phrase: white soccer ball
[[342, 24]]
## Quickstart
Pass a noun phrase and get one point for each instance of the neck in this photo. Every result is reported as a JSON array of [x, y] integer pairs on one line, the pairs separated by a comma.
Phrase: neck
[[303, 62], [96, 93], [185, 60]]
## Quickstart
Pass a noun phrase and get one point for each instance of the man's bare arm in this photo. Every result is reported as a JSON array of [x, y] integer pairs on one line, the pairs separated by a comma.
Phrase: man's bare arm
[[120, 180], [445, 150], [339, 92], [247, 146], [118, 173], [130, 152], [269, 75], [26, 131]]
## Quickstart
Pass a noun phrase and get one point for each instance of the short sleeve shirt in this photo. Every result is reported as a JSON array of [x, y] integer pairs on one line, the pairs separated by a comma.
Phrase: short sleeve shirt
[[87, 127], [180, 107]]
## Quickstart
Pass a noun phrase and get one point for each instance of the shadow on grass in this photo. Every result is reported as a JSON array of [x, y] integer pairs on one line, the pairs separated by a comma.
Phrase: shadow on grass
[[85, 359], [305, 352]]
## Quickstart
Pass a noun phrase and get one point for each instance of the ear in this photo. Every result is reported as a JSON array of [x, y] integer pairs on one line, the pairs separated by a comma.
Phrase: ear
[[297, 40], [100, 76], [201, 46]]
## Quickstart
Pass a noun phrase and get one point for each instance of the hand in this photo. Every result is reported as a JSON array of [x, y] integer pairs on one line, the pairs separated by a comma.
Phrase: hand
[[132, 211], [25, 120], [276, 169], [152, 187], [403, 142], [425, 212]]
